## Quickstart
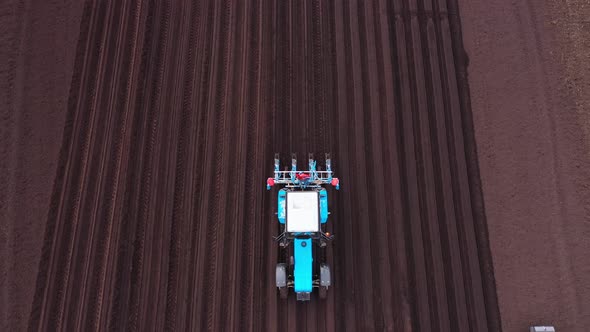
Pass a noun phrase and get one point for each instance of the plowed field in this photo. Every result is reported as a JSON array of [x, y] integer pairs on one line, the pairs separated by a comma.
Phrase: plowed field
[[159, 216]]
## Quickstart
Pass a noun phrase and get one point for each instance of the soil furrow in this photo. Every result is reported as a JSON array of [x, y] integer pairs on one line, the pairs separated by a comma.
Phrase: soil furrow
[[217, 130], [284, 72], [206, 243], [116, 210], [187, 213], [172, 138], [451, 253], [123, 275], [367, 180], [462, 193], [231, 163], [175, 184], [76, 198], [416, 251], [154, 292], [420, 240], [358, 179], [245, 251], [379, 228], [54, 228], [317, 85], [179, 219], [92, 298], [201, 182], [236, 219], [146, 187], [457, 66], [430, 171], [266, 143], [393, 155], [343, 228]]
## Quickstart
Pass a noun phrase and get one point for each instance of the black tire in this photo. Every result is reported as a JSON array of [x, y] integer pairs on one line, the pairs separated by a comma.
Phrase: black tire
[[284, 292], [323, 292]]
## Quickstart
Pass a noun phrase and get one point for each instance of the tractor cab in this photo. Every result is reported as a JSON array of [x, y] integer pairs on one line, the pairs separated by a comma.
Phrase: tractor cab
[[302, 212]]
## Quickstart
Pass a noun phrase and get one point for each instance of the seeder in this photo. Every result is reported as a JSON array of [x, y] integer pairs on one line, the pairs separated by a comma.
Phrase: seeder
[[302, 214]]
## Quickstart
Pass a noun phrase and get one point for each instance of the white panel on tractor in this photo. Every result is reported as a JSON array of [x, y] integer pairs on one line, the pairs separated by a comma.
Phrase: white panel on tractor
[[542, 329], [303, 211]]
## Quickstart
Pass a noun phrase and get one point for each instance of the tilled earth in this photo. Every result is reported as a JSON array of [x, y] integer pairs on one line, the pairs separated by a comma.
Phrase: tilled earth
[[159, 216]]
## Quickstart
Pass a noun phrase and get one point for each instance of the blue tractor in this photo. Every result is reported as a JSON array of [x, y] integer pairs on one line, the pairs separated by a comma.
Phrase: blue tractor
[[302, 214]]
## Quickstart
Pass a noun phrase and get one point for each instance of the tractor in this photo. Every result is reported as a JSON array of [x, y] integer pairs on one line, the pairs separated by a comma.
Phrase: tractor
[[302, 213]]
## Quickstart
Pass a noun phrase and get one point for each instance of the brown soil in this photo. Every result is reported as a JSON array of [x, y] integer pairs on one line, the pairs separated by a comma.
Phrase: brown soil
[[529, 69], [158, 216], [38, 46]]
